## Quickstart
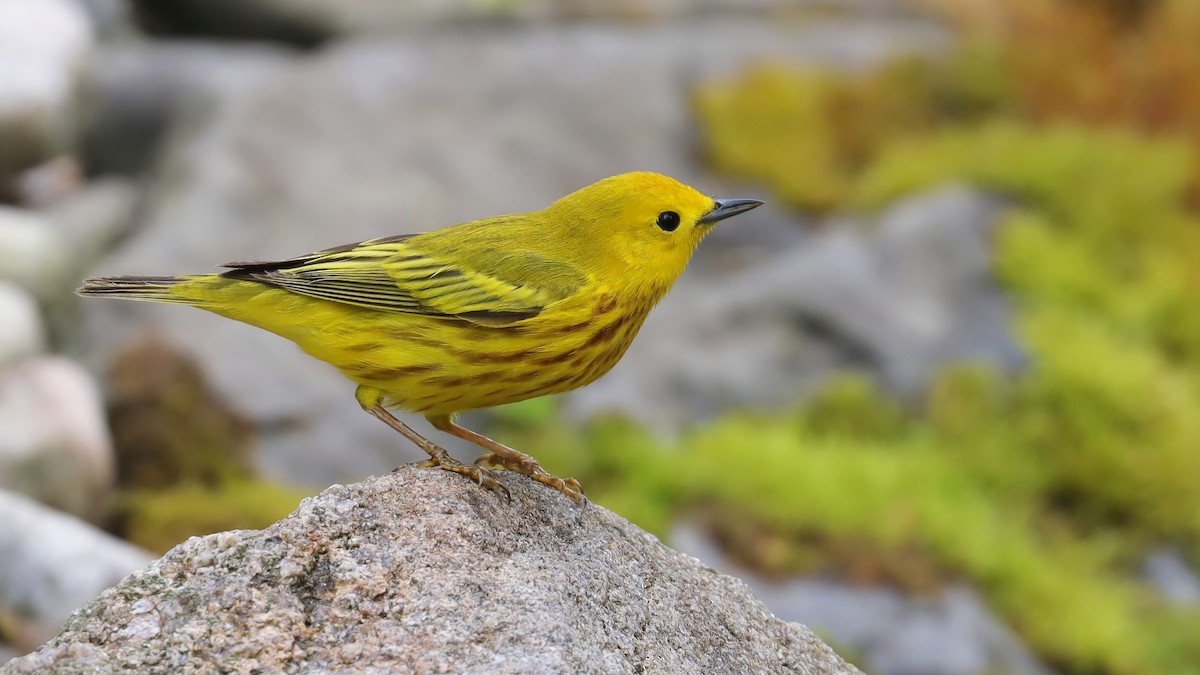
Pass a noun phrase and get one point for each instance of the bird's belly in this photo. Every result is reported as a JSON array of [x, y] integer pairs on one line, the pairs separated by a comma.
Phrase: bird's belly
[[439, 367]]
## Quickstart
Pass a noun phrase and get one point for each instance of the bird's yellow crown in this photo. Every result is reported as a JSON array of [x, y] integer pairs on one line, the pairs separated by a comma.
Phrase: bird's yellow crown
[[638, 223]]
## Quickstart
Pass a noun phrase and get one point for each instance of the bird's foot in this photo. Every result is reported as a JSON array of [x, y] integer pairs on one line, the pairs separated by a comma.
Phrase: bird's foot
[[480, 475], [528, 466]]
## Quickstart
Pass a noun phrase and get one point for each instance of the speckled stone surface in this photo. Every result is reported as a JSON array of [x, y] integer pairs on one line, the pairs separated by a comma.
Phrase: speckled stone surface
[[422, 571]]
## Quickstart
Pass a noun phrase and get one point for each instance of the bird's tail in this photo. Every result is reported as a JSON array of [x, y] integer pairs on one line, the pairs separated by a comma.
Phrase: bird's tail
[[151, 289]]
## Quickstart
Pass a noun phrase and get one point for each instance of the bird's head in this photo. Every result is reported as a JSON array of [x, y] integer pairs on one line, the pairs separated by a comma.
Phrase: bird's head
[[647, 222]]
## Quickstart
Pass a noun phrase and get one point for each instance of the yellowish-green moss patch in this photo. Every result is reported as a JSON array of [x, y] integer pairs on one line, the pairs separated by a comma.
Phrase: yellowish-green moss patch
[[159, 519]]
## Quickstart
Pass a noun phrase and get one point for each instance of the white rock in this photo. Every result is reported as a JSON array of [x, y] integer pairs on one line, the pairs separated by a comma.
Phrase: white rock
[[47, 182], [54, 563], [21, 331], [34, 255], [110, 18], [94, 217], [43, 46], [54, 443]]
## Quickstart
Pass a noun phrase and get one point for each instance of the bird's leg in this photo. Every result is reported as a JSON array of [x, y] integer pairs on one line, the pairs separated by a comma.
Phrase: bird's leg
[[505, 457], [437, 454]]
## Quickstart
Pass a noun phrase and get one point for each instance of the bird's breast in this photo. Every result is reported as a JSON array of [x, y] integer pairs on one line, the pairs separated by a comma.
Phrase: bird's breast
[[583, 343], [449, 366]]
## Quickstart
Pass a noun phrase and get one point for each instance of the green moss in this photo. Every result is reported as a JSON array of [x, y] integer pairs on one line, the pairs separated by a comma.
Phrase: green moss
[[807, 132], [775, 125], [1117, 423], [159, 519], [1092, 234], [183, 455], [852, 406], [530, 412], [168, 425], [1102, 261]]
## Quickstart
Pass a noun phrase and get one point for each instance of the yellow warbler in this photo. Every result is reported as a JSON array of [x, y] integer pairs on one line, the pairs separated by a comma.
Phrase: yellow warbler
[[474, 315]]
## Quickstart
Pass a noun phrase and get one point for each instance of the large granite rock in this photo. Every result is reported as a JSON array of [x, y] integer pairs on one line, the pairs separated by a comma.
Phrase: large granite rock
[[423, 571], [370, 138]]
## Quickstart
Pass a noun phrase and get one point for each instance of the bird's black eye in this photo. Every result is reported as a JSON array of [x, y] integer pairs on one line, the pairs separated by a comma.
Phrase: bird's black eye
[[668, 220]]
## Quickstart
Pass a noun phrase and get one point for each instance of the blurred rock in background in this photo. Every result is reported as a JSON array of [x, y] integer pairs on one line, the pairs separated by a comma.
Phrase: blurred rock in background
[[140, 93], [309, 22], [23, 334], [53, 563], [111, 19], [35, 256], [54, 443], [44, 47], [91, 219], [1168, 571]]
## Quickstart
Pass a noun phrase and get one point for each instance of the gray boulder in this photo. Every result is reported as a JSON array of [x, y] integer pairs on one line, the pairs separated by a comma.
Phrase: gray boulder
[[895, 298], [138, 91], [423, 571], [35, 255], [43, 47], [54, 443], [307, 22], [54, 563], [93, 218], [371, 138], [1168, 572], [111, 19], [21, 331]]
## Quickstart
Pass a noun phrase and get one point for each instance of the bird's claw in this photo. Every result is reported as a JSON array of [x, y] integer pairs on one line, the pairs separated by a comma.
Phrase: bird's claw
[[484, 477], [568, 486], [526, 466]]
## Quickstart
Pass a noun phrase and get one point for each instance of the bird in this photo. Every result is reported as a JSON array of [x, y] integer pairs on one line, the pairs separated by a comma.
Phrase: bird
[[474, 315]]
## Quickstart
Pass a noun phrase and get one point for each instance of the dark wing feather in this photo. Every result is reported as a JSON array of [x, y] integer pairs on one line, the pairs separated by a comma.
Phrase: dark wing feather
[[274, 265], [395, 274]]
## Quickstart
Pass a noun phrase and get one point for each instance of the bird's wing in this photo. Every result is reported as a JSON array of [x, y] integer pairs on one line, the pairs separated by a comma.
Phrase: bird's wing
[[487, 285]]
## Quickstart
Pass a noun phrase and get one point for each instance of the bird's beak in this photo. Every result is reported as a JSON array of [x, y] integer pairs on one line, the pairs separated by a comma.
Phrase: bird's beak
[[727, 208]]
